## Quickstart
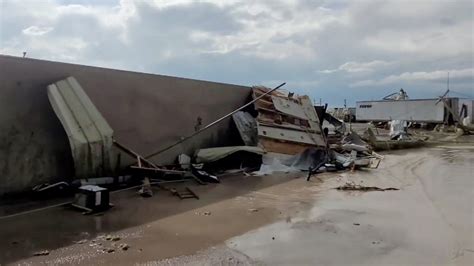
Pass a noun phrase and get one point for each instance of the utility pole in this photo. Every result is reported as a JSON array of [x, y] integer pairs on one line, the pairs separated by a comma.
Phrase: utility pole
[[345, 103]]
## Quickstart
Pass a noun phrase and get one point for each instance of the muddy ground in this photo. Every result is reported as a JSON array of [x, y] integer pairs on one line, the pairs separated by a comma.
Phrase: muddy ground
[[273, 220]]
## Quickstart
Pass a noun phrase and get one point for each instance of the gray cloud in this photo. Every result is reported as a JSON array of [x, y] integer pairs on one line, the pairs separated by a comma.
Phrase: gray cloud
[[328, 49]]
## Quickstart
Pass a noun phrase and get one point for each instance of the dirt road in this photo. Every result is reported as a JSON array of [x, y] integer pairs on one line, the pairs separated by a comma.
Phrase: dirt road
[[277, 220]]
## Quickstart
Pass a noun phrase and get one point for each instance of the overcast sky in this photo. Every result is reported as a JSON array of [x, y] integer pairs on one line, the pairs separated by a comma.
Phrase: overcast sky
[[328, 49]]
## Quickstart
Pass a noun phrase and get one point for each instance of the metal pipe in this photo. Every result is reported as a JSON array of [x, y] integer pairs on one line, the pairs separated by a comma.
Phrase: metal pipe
[[215, 122]]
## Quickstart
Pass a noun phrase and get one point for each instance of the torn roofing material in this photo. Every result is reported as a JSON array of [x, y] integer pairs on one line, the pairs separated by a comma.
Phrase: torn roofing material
[[287, 124], [89, 134]]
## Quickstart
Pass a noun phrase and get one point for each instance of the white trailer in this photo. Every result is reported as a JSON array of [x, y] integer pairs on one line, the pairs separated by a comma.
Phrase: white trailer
[[412, 110]]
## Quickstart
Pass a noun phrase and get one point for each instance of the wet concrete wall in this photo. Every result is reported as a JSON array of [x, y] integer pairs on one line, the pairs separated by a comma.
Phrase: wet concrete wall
[[147, 113]]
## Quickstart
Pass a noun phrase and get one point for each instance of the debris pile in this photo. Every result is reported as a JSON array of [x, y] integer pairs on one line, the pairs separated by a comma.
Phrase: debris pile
[[286, 124], [350, 186], [279, 132]]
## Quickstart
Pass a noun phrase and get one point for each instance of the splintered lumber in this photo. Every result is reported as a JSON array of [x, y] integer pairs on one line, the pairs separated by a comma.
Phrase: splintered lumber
[[286, 124]]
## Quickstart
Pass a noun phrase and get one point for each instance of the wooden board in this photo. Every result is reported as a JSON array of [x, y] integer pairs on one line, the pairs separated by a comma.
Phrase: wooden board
[[271, 145]]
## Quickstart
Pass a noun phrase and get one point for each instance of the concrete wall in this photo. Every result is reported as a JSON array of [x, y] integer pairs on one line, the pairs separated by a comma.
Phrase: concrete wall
[[147, 113]]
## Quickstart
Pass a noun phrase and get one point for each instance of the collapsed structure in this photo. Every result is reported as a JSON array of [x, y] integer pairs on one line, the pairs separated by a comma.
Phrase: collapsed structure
[[105, 135], [283, 129], [285, 124], [145, 111]]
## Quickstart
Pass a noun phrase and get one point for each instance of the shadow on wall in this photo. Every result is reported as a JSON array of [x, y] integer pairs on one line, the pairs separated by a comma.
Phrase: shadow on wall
[[147, 112]]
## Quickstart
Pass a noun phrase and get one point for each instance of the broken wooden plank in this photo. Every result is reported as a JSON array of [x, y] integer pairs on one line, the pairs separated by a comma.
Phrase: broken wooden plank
[[286, 126], [292, 148], [287, 135], [192, 192], [134, 154]]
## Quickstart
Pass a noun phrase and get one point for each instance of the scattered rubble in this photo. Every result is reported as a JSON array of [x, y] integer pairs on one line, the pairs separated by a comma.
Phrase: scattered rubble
[[109, 250], [124, 246], [354, 187], [41, 253], [206, 213], [112, 238]]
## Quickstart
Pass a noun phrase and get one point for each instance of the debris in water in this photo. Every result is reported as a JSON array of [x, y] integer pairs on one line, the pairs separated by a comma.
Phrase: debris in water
[[109, 250], [116, 238], [253, 210], [352, 186], [81, 241], [124, 246], [356, 224], [41, 253]]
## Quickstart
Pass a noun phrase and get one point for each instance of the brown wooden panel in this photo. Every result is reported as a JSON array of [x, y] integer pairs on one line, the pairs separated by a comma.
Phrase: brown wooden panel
[[271, 145]]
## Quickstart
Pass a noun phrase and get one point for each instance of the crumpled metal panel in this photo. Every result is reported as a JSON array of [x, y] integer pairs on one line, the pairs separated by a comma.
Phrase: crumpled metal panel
[[89, 134]]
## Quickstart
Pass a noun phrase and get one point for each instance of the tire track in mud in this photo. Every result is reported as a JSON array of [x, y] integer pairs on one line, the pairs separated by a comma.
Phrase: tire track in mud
[[407, 165], [413, 170]]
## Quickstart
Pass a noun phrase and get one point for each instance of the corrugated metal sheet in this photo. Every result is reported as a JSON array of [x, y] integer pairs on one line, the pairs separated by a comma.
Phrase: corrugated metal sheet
[[89, 134]]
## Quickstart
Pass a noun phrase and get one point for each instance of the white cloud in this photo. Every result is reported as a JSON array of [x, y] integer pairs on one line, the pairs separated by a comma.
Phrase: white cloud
[[356, 67], [424, 42], [438, 75], [36, 30]]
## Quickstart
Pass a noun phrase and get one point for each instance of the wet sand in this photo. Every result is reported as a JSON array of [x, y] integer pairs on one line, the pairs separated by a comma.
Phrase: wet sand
[[276, 220], [176, 226], [428, 222]]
